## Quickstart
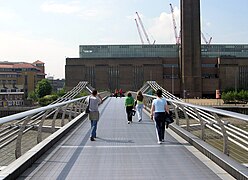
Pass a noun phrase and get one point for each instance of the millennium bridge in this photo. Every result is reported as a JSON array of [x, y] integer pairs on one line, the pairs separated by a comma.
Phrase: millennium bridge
[[52, 142]]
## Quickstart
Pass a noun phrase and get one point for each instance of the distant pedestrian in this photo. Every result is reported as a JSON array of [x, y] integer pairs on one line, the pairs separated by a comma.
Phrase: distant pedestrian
[[129, 104], [116, 93], [159, 107], [139, 105], [121, 93], [94, 101]]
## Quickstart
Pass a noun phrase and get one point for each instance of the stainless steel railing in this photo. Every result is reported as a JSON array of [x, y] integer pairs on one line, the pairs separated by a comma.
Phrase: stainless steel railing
[[21, 132], [224, 130]]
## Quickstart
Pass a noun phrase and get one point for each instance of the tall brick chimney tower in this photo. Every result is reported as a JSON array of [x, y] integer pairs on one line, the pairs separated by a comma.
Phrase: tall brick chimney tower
[[190, 62]]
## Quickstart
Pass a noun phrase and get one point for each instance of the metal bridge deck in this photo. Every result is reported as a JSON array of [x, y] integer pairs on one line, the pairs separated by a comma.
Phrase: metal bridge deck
[[122, 151]]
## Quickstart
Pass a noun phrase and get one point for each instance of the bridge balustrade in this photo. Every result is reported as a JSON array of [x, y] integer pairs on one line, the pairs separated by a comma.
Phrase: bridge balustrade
[[223, 130], [21, 132]]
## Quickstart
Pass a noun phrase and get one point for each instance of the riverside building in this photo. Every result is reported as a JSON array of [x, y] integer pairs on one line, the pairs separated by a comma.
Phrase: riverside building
[[108, 67], [17, 79]]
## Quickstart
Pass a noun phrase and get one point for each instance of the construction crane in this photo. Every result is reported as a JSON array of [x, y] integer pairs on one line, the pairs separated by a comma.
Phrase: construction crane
[[139, 31], [204, 38], [142, 26], [177, 37]]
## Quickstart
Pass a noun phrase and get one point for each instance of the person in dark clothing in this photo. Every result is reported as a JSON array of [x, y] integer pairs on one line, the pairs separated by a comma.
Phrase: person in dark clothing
[[94, 100], [121, 93], [129, 103], [116, 93], [139, 105], [159, 107]]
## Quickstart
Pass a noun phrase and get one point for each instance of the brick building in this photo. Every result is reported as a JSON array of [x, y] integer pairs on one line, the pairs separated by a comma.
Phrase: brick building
[[17, 79], [108, 67]]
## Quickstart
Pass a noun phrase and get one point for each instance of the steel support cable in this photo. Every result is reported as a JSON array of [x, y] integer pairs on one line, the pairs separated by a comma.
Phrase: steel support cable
[[5, 119], [166, 93], [9, 135], [232, 135], [234, 114], [218, 111], [229, 138], [13, 138], [190, 114], [219, 131], [228, 128], [7, 131], [37, 119], [238, 154], [2, 130], [214, 125], [236, 132], [144, 88], [238, 129], [237, 137]]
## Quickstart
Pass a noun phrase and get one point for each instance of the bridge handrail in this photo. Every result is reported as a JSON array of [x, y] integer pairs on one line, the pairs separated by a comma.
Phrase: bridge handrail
[[222, 129], [37, 110], [214, 110], [210, 109], [16, 127]]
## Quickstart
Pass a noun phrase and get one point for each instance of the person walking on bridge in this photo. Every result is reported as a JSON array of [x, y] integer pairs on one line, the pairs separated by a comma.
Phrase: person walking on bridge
[[139, 105], [159, 107], [121, 93], [116, 93], [94, 100], [129, 103]]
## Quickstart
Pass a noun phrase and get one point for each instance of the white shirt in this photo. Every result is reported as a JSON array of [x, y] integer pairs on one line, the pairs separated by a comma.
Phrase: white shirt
[[159, 104], [94, 102]]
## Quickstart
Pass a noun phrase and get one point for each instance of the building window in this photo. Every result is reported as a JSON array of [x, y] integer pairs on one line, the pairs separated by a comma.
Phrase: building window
[[209, 65]]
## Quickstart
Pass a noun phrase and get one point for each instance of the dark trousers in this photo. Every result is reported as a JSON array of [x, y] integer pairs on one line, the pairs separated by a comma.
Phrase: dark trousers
[[159, 118], [129, 113]]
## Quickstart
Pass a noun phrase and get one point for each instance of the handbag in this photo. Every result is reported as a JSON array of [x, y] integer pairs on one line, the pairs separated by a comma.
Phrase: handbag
[[87, 110], [168, 119], [133, 112]]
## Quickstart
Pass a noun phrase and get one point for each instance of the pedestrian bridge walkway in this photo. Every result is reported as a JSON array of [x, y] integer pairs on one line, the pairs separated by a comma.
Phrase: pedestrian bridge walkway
[[122, 151], [52, 142]]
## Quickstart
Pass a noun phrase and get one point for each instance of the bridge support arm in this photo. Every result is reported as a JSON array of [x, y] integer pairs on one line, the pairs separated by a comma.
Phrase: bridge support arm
[[225, 135], [39, 136], [203, 124], [18, 150]]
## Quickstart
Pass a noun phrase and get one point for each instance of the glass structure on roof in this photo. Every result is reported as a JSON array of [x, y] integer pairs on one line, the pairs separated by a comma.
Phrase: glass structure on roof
[[127, 51], [159, 50]]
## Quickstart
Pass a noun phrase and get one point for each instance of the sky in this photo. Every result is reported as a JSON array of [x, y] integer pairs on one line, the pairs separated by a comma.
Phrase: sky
[[51, 30]]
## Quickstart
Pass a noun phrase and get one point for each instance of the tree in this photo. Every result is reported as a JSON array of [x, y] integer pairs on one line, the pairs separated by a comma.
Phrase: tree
[[61, 92], [43, 88], [48, 99], [32, 96]]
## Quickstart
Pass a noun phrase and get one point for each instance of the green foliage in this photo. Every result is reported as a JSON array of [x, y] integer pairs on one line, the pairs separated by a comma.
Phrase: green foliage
[[228, 97], [82, 94], [235, 97], [228, 90], [42, 93], [43, 88], [46, 100], [32, 96], [61, 93]]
